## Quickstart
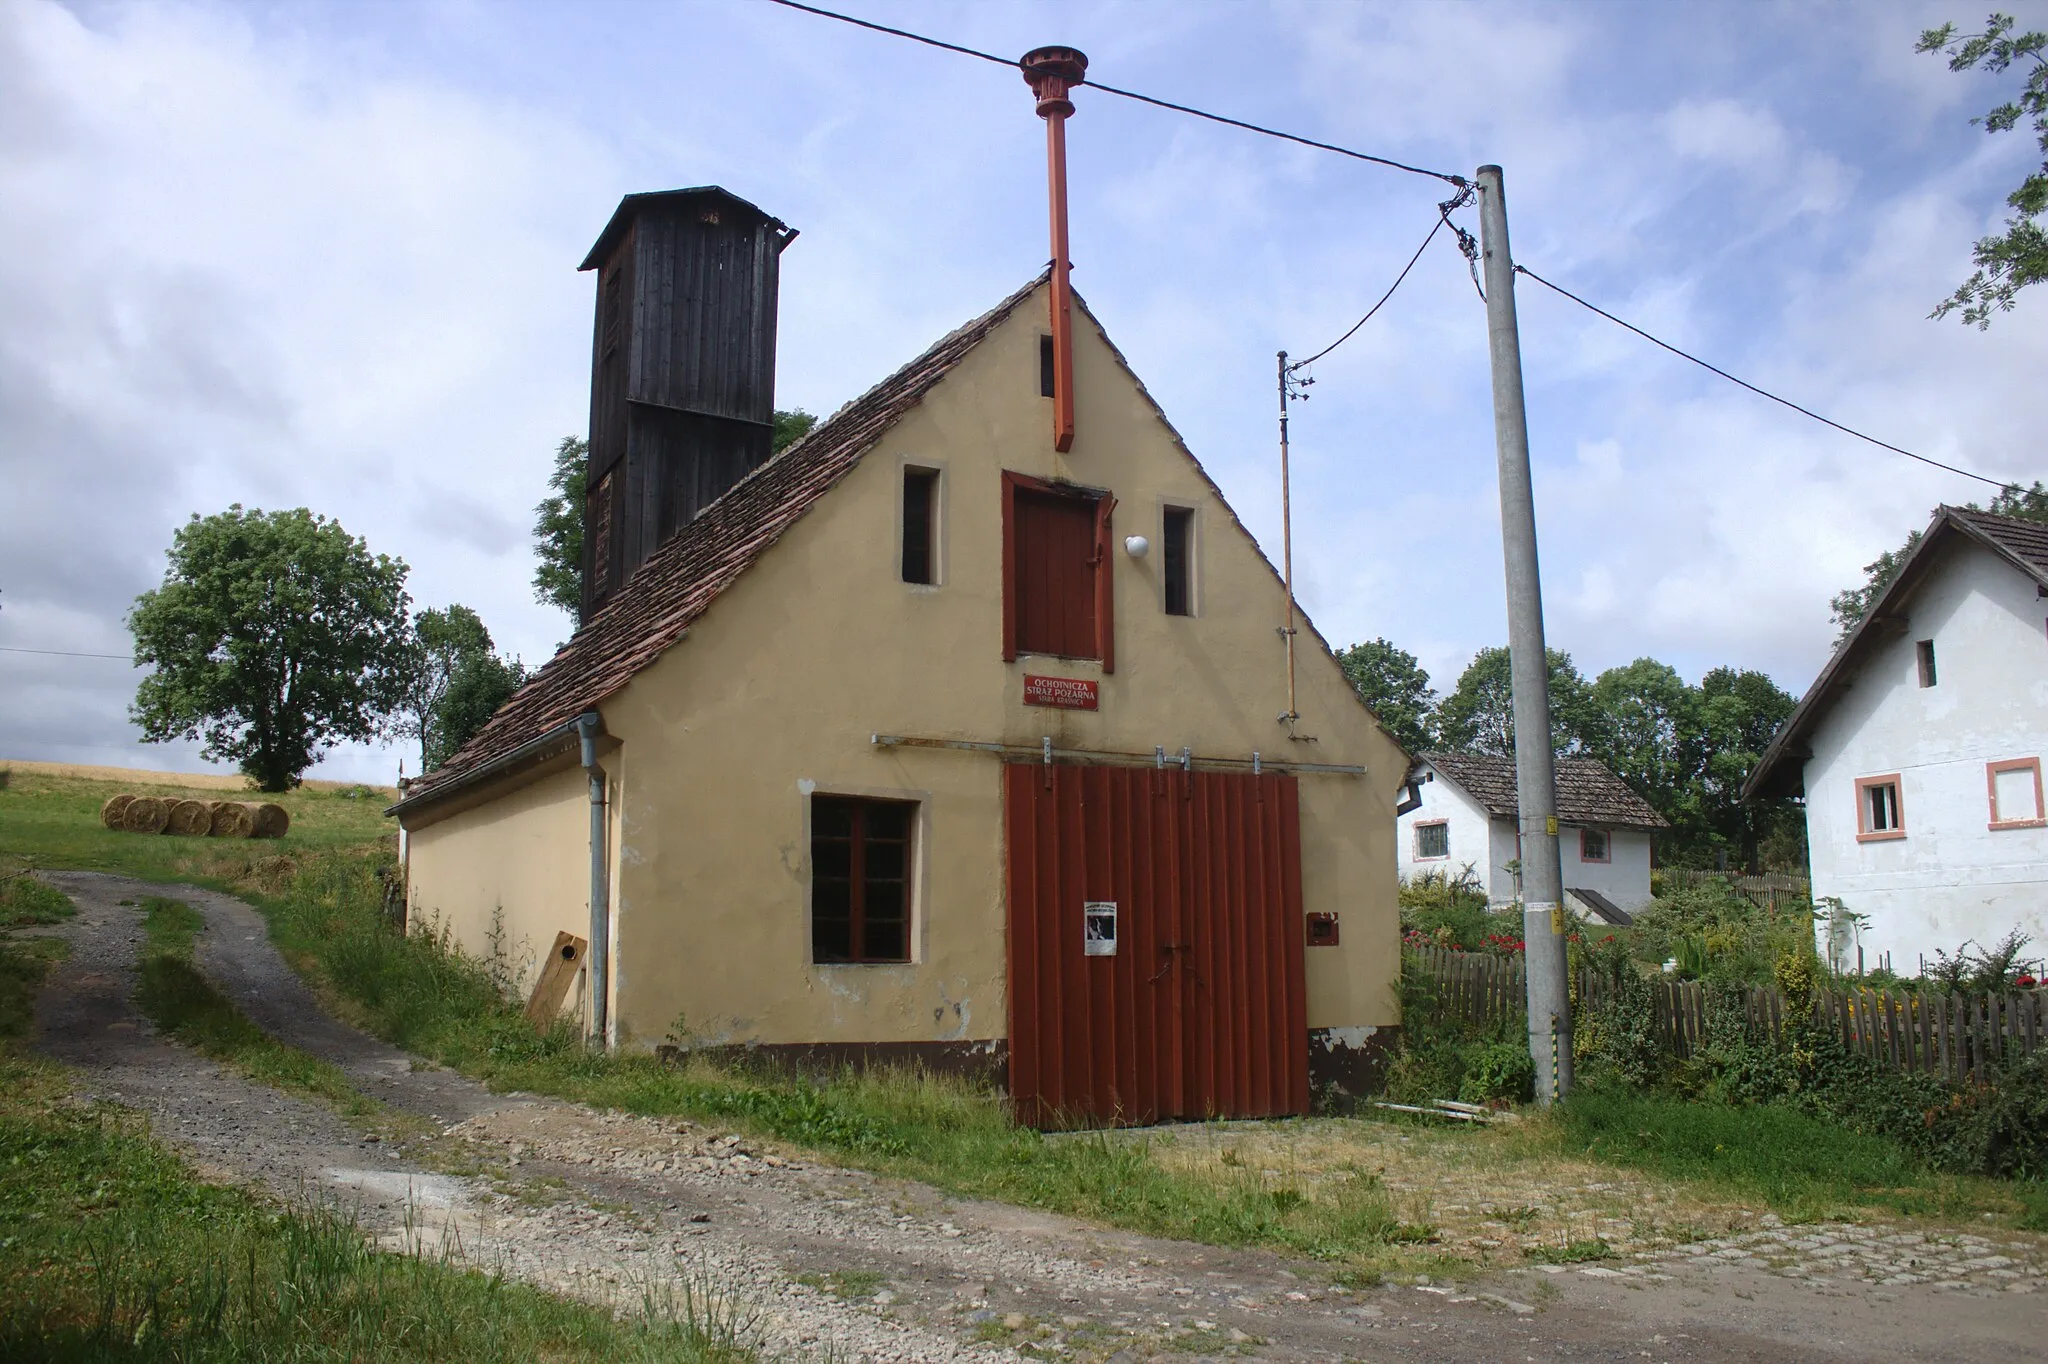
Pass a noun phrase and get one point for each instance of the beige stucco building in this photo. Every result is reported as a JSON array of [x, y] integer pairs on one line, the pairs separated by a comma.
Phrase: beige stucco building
[[909, 747]]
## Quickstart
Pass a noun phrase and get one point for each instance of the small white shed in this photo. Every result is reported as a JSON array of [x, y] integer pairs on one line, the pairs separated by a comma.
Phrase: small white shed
[[1466, 826], [1919, 749]]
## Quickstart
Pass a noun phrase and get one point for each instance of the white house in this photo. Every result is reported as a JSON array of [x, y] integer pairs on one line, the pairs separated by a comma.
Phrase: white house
[[1919, 747], [1465, 825]]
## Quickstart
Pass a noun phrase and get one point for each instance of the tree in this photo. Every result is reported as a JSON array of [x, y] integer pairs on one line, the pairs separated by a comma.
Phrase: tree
[[480, 684], [2017, 257], [1479, 716], [274, 636], [558, 529], [1851, 606], [1391, 681], [1648, 720], [1739, 712], [454, 682], [558, 518]]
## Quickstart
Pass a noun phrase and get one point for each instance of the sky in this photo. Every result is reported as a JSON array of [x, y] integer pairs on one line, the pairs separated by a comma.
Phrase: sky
[[324, 255]]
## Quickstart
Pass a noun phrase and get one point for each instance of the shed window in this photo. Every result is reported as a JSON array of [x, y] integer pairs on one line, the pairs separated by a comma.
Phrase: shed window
[[1433, 840], [1593, 846], [1176, 560], [920, 525], [1878, 813], [1047, 364], [860, 879], [1056, 589], [1923, 652]]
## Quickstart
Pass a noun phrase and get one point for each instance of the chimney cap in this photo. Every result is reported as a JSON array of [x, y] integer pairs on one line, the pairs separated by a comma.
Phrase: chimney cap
[[1051, 72], [712, 196]]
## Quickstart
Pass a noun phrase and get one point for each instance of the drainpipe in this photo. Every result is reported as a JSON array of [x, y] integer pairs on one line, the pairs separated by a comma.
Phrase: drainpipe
[[597, 962]]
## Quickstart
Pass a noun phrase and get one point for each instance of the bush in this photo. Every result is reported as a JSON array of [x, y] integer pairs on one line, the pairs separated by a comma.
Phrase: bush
[[1719, 934], [1498, 1072], [1451, 911]]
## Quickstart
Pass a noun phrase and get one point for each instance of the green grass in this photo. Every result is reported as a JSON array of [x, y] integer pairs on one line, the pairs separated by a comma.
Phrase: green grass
[[1798, 1164], [24, 900], [186, 1007], [111, 1250]]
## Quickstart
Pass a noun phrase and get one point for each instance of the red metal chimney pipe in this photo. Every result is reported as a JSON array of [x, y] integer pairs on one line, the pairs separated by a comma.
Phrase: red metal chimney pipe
[[1051, 72]]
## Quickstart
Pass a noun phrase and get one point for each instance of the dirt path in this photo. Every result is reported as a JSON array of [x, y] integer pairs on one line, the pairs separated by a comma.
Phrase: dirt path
[[604, 1205]]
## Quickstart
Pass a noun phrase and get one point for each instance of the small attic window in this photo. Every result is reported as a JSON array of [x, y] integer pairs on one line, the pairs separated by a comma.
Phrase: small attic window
[[1046, 367], [1923, 653], [1176, 561], [920, 525]]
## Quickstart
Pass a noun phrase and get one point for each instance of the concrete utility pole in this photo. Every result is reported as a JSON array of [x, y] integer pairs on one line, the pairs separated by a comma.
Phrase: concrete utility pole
[[1543, 917]]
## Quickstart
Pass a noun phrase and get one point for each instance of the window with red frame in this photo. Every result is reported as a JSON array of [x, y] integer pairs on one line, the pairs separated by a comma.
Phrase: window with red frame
[[1593, 846], [860, 879]]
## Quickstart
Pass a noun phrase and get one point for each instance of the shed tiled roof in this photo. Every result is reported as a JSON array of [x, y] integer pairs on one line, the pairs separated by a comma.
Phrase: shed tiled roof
[[2021, 543], [1587, 793], [676, 584]]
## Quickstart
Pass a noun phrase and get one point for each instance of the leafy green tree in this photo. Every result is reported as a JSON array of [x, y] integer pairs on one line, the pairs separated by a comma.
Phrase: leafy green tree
[[2017, 257], [1392, 681], [1738, 712], [1851, 606], [558, 518], [480, 683], [558, 529], [446, 645], [1647, 731], [1479, 716], [274, 636]]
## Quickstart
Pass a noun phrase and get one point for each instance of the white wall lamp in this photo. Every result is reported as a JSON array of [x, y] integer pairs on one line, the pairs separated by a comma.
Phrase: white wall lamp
[[1137, 546]]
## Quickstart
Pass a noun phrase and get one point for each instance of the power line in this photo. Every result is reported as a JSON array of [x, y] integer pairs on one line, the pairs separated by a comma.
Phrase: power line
[[1443, 220], [64, 653], [1015, 65], [1760, 392]]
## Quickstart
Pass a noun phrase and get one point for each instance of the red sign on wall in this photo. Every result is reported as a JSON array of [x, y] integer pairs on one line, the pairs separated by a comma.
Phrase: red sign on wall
[[1065, 693]]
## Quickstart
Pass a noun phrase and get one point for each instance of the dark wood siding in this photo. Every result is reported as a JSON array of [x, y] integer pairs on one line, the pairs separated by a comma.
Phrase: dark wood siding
[[705, 300]]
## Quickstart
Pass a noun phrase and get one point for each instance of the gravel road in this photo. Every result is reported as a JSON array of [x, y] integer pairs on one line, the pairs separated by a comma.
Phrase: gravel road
[[608, 1206]]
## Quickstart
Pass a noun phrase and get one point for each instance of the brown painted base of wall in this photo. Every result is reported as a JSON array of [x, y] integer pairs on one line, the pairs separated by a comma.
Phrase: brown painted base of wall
[[1342, 1074], [983, 1063]]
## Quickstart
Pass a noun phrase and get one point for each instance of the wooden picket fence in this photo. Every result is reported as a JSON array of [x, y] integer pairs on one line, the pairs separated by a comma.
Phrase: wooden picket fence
[[1956, 1036], [1774, 891]]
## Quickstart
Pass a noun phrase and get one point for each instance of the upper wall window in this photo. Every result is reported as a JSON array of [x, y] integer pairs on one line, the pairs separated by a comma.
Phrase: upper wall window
[[1432, 840], [1593, 846], [920, 525], [2015, 791], [1056, 581], [1177, 556], [1923, 654], [1879, 815], [860, 879], [1047, 365]]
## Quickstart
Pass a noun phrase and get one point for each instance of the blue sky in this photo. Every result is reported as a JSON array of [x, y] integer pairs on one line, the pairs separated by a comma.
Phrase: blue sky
[[325, 255]]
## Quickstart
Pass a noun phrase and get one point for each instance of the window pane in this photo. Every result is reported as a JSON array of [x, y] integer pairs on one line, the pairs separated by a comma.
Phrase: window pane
[[831, 940], [888, 819], [831, 857], [1174, 559], [830, 817], [1433, 840], [886, 861], [920, 498], [885, 942]]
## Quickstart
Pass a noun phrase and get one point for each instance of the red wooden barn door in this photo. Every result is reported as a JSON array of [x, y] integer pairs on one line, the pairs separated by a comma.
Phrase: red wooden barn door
[[1200, 1009]]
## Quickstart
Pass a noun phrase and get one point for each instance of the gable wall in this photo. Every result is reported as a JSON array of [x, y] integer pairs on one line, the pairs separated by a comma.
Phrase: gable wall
[[1471, 836], [1951, 877], [779, 686]]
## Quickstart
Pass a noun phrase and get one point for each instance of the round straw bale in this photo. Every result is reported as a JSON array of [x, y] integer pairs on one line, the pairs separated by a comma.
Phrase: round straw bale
[[146, 815], [189, 819], [231, 819], [271, 821], [111, 812]]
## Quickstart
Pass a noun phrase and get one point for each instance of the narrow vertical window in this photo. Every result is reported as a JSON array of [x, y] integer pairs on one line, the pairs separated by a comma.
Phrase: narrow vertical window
[[1046, 367], [1924, 653], [860, 879], [920, 525], [1175, 560]]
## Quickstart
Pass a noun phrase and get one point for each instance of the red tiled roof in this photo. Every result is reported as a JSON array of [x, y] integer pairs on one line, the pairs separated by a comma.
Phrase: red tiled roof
[[1587, 793], [676, 584]]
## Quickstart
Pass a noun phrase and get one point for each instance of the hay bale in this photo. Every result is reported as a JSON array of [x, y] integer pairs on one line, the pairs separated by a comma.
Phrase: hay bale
[[189, 819], [116, 806], [146, 815], [232, 819], [271, 821]]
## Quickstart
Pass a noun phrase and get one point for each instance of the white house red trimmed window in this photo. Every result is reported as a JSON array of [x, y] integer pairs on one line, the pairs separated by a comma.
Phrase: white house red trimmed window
[[1879, 813], [1594, 846], [2014, 788], [1433, 841]]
